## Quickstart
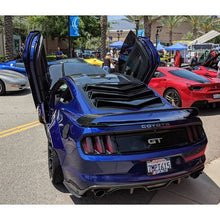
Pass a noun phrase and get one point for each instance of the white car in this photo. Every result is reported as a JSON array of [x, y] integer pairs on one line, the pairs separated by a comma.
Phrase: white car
[[12, 81]]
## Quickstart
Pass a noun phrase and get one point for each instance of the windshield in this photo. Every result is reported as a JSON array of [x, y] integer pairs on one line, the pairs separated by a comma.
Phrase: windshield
[[68, 69], [185, 74]]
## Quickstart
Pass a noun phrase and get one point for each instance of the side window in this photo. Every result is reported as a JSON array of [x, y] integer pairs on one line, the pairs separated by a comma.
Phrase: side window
[[62, 94], [158, 74]]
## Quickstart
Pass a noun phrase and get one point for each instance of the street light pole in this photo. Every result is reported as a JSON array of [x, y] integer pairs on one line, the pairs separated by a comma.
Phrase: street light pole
[[159, 28], [137, 26]]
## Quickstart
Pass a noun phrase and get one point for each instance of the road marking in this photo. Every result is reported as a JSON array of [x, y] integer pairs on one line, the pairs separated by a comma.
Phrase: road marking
[[18, 129]]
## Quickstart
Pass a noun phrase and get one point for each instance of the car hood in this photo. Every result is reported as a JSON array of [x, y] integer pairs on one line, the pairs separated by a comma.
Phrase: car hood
[[11, 74]]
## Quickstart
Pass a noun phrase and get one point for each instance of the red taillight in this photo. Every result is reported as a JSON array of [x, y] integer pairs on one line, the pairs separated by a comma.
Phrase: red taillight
[[87, 145], [98, 145], [109, 145]]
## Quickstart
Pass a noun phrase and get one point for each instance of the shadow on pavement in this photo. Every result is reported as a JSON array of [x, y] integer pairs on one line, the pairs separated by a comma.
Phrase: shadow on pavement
[[19, 93], [61, 188], [210, 111], [190, 191]]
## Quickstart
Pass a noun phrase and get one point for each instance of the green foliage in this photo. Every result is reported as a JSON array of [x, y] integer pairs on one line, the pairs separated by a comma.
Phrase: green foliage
[[53, 57], [172, 22], [2, 59], [89, 30], [188, 36], [50, 26], [57, 26], [20, 27]]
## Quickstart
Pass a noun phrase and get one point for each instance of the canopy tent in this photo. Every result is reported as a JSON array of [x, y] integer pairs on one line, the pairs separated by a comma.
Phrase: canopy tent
[[117, 44], [177, 46], [160, 47], [217, 48]]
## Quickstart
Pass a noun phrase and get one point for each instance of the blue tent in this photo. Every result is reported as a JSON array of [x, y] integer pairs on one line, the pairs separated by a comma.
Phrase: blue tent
[[160, 47], [117, 44], [218, 48], [177, 46]]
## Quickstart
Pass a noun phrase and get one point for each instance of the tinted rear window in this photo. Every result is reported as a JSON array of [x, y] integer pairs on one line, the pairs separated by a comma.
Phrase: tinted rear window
[[185, 74]]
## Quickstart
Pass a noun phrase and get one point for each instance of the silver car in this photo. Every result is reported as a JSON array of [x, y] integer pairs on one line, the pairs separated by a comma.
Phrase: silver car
[[12, 81]]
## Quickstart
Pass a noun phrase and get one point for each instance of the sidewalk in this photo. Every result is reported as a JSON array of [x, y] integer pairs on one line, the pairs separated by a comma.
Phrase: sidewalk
[[203, 190]]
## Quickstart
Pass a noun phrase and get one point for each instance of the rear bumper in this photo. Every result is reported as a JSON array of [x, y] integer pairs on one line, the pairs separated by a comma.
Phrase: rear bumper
[[113, 182], [147, 185]]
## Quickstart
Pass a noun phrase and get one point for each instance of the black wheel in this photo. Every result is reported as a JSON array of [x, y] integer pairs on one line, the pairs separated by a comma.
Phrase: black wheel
[[173, 97], [55, 170], [2, 88]]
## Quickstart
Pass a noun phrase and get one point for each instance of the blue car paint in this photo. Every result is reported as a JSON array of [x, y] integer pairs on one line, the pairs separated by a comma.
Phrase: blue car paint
[[11, 65], [84, 172]]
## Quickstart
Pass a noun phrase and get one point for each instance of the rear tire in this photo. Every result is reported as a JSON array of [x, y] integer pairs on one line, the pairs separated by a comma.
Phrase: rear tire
[[173, 97], [2, 88], [55, 170]]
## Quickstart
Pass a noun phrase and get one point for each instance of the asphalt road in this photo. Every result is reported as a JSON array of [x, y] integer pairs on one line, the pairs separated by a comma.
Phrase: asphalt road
[[24, 175]]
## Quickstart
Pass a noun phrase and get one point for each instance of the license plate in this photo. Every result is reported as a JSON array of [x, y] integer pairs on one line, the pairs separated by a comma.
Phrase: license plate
[[158, 166], [216, 96]]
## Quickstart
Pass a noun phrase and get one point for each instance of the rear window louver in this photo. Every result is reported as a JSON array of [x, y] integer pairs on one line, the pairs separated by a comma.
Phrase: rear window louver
[[121, 95]]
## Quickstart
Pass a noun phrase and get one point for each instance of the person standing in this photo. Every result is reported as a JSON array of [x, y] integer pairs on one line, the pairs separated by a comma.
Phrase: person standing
[[194, 61], [107, 63], [177, 59], [218, 73], [59, 54]]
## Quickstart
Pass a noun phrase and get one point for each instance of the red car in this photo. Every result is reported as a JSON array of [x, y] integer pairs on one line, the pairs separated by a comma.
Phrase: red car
[[205, 71], [209, 66], [184, 88]]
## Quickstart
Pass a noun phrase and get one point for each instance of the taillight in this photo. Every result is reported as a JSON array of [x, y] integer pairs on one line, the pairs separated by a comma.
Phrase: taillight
[[87, 145], [195, 133], [109, 146], [196, 88], [96, 145]]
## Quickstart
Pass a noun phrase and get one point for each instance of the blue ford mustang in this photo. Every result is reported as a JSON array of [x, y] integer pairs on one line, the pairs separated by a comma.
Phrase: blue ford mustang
[[110, 131]]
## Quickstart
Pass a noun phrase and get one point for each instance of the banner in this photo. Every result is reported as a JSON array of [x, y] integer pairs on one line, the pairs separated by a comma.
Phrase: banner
[[74, 26]]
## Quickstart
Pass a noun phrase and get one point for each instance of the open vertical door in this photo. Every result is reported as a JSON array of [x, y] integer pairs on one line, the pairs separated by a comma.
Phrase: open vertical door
[[37, 71], [138, 57]]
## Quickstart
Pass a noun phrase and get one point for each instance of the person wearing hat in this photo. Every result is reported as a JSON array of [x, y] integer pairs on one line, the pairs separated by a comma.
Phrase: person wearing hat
[[107, 62]]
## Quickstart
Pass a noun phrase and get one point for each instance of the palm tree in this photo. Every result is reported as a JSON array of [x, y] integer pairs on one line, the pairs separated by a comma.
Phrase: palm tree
[[148, 21], [209, 23], [8, 38], [171, 22], [103, 22], [195, 22]]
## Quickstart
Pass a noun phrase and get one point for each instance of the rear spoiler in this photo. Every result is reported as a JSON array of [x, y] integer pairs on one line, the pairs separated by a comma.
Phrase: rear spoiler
[[127, 118]]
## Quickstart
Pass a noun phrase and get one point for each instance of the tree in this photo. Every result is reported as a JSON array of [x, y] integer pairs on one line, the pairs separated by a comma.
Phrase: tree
[[8, 38], [89, 28], [148, 21], [103, 35], [57, 26], [209, 23], [171, 22], [195, 22], [20, 27]]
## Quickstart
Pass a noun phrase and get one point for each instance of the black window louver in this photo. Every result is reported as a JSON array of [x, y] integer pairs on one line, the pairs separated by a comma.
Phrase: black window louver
[[121, 95]]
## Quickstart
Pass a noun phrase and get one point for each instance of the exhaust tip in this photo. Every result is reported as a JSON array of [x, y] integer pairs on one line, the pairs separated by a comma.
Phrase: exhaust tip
[[99, 193]]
